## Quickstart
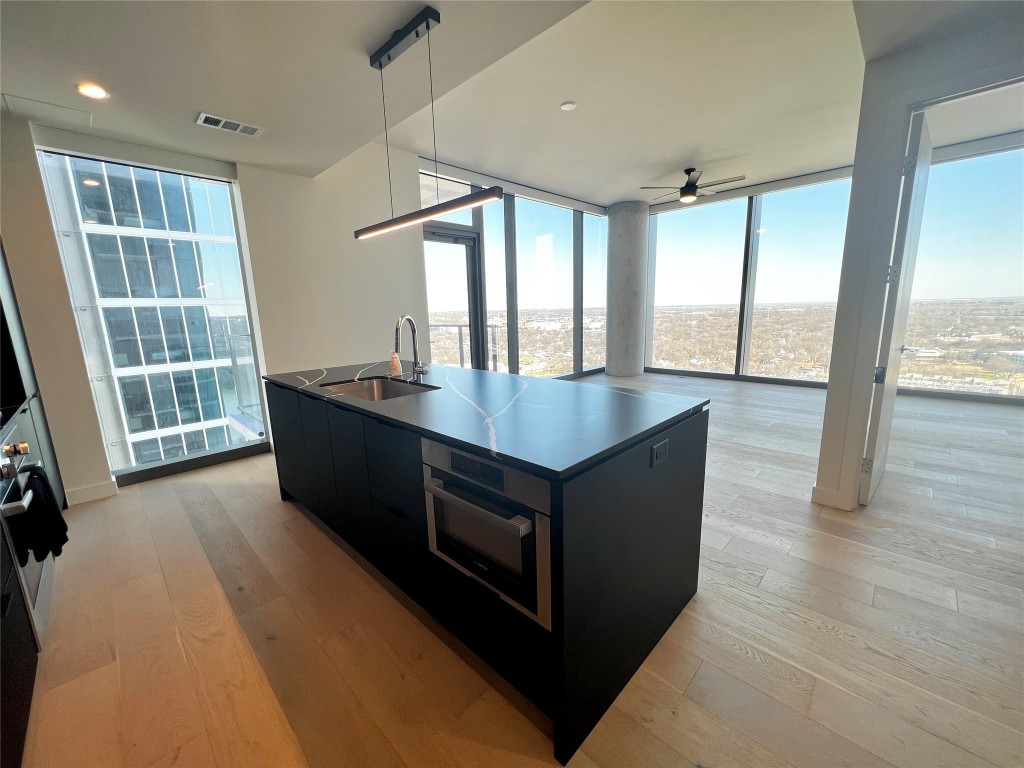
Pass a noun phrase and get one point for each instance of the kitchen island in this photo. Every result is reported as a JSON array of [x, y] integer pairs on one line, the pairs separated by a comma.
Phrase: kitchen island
[[552, 526]]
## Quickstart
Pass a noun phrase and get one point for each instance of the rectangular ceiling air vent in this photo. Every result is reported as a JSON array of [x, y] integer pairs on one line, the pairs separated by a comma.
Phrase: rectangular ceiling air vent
[[234, 126]]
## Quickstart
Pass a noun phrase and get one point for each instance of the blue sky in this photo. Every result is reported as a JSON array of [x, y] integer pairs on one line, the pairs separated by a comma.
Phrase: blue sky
[[972, 245], [972, 237]]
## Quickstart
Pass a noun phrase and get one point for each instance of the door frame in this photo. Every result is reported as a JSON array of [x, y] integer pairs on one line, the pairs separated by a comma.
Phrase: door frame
[[469, 238], [913, 193]]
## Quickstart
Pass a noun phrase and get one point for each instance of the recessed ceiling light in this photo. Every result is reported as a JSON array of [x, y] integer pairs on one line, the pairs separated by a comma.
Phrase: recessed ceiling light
[[92, 90], [568, 106], [90, 182]]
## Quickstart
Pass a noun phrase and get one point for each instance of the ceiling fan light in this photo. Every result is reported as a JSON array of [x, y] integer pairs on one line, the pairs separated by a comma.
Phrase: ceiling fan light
[[687, 196]]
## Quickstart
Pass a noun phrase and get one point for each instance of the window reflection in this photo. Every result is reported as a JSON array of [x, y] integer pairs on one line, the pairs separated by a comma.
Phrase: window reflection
[[544, 279]]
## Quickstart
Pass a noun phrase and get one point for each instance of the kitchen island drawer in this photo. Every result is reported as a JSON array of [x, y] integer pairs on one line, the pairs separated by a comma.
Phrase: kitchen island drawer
[[394, 467]]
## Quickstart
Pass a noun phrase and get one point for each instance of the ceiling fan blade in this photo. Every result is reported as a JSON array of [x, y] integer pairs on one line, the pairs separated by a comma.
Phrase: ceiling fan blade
[[723, 181], [659, 187], [705, 193], [692, 176], [670, 194]]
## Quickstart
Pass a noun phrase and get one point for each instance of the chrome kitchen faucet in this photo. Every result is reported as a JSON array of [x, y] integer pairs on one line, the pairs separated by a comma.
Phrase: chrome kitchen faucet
[[418, 367]]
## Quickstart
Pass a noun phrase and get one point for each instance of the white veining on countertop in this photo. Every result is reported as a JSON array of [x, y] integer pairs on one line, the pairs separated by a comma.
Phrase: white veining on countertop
[[371, 365], [492, 434], [307, 382], [642, 394]]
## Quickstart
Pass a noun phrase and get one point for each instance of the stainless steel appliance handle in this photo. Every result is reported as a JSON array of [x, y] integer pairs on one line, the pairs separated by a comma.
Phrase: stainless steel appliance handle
[[518, 525]]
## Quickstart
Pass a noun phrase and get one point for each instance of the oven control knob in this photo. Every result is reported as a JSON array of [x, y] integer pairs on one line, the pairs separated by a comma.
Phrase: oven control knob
[[7, 471], [16, 449]]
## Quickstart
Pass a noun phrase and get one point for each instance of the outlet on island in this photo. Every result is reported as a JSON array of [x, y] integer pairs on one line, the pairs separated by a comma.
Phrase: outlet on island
[[659, 452]]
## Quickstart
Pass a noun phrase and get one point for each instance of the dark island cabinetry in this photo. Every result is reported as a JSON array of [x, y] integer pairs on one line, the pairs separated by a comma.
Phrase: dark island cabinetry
[[554, 528], [289, 447], [322, 496], [351, 483], [359, 476]]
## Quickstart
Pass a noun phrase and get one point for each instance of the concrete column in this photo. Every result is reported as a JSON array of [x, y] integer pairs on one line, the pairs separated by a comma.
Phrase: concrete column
[[627, 287]]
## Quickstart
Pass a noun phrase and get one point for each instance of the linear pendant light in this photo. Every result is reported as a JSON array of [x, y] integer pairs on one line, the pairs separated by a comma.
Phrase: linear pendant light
[[435, 211], [419, 26]]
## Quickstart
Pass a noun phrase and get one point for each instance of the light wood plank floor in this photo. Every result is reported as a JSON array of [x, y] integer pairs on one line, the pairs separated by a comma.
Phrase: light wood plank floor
[[200, 621]]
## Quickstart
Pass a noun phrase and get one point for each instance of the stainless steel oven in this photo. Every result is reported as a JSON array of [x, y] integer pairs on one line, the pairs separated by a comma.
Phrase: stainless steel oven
[[492, 523]]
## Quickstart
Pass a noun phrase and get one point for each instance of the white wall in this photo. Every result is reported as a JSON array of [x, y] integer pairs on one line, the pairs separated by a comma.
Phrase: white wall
[[324, 298], [893, 86], [42, 291]]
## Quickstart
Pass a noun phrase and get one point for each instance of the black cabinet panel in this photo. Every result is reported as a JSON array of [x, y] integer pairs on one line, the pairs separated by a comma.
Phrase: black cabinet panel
[[289, 445], [18, 660], [350, 479], [628, 547], [395, 465], [316, 433], [400, 547]]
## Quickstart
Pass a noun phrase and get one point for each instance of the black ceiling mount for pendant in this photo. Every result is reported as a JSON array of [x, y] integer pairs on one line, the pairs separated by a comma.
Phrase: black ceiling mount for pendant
[[403, 39], [419, 27]]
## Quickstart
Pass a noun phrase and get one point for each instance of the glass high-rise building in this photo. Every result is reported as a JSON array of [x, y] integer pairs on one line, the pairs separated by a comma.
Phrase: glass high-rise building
[[152, 263]]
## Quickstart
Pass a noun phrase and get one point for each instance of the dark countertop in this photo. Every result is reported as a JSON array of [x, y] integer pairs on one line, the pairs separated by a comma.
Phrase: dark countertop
[[549, 427]]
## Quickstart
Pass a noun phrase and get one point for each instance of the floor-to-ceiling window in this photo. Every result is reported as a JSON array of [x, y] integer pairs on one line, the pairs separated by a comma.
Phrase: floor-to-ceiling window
[[595, 289], [542, 284], [748, 286], [800, 236], [153, 268], [698, 277], [544, 274], [965, 331]]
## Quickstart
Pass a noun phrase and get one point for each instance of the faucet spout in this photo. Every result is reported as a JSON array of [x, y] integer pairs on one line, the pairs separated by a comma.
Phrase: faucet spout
[[417, 366]]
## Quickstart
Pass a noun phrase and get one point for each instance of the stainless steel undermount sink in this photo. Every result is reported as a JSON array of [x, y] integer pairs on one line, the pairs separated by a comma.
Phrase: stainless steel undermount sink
[[378, 388]]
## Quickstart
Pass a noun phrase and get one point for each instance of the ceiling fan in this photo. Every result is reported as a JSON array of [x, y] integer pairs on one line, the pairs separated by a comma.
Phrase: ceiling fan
[[691, 189]]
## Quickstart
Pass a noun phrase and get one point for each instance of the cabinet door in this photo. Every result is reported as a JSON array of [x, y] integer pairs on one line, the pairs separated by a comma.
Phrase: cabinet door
[[289, 446], [351, 483], [395, 464], [323, 499], [18, 660]]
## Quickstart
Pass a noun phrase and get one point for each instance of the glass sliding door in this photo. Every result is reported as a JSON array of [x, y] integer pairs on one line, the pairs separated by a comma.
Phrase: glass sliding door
[[454, 311], [152, 263]]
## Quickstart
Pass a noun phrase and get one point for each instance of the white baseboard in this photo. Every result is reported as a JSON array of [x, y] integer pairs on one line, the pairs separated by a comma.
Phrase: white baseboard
[[829, 497], [91, 492]]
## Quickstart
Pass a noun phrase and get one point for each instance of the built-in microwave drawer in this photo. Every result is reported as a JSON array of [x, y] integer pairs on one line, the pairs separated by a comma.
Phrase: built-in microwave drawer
[[522, 488]]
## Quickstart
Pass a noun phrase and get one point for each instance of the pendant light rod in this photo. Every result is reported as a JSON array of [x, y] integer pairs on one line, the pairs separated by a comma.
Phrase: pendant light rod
[[433, 121], [403, 39], [387, 147], [433, 212]]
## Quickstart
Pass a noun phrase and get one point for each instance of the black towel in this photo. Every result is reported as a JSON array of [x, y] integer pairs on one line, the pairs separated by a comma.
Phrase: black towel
[[41, 528]]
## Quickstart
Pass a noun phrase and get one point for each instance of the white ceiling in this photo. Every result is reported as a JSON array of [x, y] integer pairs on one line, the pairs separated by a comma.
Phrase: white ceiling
[[763, 89], [298, 69], [766, 89], [888, 25]]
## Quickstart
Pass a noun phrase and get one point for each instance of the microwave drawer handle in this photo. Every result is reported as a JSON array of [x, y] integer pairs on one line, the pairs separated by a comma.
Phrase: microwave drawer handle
[[518, 525]]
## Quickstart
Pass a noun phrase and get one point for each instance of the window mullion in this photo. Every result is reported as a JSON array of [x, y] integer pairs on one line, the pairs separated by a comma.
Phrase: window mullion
[[511, 289], [748, 285], [577, 291]]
